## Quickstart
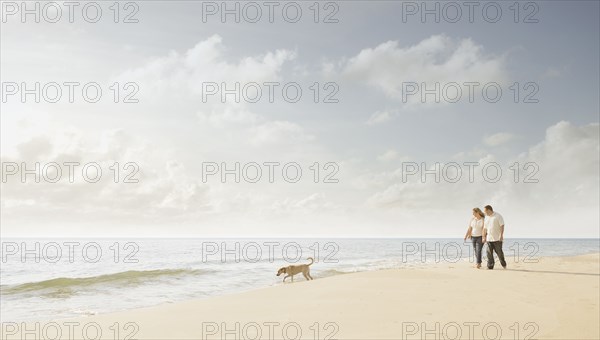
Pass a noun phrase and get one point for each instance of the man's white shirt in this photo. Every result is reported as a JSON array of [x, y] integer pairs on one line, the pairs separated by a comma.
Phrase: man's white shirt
[[493, 224]]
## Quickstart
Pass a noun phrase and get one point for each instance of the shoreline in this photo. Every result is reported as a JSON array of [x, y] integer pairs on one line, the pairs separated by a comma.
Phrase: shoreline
[[420, 265], [555, 298]]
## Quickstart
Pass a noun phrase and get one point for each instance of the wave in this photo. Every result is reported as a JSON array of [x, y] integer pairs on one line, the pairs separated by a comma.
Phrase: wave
[[131, 277]]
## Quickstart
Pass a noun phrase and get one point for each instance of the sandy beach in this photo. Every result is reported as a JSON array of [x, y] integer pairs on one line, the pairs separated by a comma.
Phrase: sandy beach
[[555, 298]]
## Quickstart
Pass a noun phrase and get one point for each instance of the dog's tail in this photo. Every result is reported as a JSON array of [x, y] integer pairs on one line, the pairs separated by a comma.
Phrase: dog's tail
[[311, 261]]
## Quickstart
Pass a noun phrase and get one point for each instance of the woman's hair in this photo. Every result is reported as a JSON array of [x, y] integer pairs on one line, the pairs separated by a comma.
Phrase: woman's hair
[[479, 212]]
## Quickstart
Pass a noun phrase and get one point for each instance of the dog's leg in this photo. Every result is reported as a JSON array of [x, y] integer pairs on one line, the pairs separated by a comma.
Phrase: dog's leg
[[285, 277], [306, 277]]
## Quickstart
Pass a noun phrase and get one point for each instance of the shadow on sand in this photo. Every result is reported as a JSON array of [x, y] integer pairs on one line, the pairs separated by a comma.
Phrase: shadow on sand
[[551, 272]]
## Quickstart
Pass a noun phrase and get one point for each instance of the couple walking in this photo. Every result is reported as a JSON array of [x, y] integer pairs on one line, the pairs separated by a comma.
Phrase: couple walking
[[488, 227]]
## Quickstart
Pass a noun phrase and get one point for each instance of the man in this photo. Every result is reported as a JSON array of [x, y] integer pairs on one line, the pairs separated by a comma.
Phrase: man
[[493, 233]]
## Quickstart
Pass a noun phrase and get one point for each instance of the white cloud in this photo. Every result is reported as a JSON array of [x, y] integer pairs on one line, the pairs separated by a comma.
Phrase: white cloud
[[164, 186], [170, 190], [276, 131], [380, 117], [551, 73], [207, 62], [565, 165], [556, 72], [177, 80], [436, 59], [387, 156], [498, 139], [313, 204]]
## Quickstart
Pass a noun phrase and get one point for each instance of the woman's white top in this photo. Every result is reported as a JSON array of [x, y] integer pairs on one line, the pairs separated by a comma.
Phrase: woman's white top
[[477, 225]]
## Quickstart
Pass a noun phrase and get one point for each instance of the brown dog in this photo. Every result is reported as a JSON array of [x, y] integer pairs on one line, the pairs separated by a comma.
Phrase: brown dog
[[293, 270]]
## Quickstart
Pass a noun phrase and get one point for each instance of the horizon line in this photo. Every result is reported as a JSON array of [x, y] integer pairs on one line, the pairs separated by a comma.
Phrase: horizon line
[[272, 237]]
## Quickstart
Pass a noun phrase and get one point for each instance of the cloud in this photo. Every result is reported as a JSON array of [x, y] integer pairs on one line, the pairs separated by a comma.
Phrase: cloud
[[556, 72], [177, 80], [569, 164], [313, 204], [498, 139], [170, 191], [551, 72], [387, 156], [380, 117], [163, 187], [275, 131], [557, 184], [438, 58], [207, 62]]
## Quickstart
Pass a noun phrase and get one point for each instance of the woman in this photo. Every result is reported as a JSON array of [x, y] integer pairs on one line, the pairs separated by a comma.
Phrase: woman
[[475, 232]]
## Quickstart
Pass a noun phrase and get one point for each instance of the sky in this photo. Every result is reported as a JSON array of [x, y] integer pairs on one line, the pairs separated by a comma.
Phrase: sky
[[370, 131]]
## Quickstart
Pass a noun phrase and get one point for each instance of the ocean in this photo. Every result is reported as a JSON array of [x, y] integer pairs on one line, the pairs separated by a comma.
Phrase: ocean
[[49, 279]]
